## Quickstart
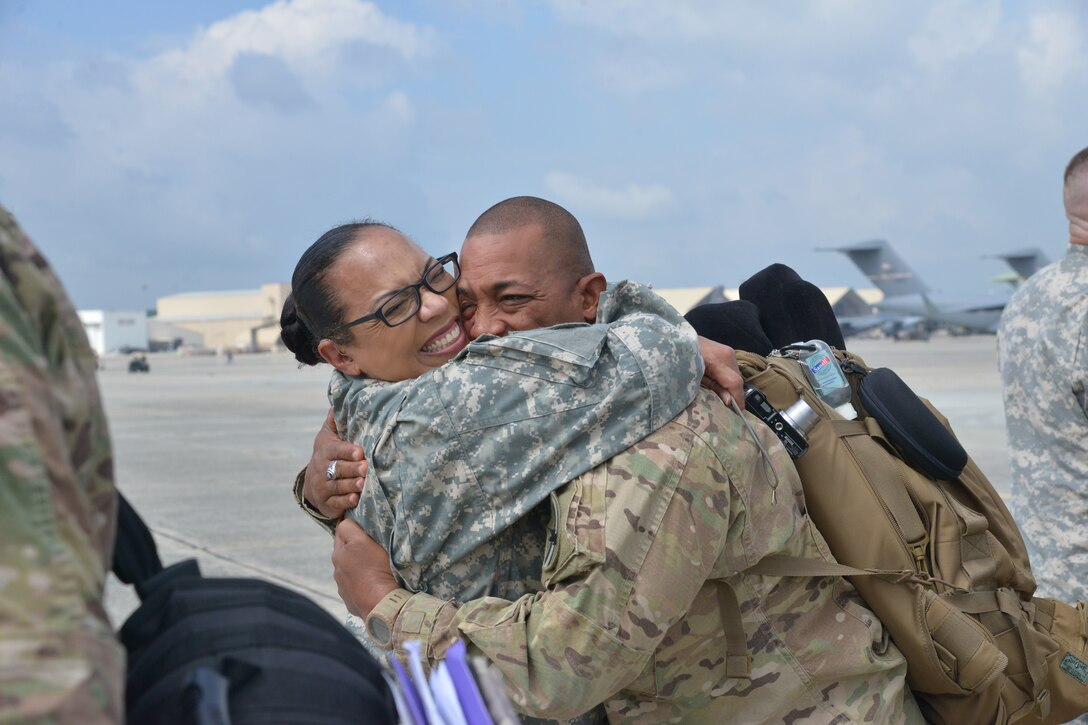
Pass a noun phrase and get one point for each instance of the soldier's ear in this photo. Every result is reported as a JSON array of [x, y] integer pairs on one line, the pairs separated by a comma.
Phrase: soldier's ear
[[589, 289]]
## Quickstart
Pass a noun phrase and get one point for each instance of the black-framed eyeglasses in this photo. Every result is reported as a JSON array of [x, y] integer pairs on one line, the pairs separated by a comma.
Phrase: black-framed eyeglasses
[[403, 304]]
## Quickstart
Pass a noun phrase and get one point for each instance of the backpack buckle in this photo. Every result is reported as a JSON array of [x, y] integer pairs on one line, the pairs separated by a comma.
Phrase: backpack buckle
[[1043, 701], [918, 551]]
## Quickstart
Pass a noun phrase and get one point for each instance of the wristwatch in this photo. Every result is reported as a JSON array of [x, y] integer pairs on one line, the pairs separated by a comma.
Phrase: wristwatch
[[380, 621]]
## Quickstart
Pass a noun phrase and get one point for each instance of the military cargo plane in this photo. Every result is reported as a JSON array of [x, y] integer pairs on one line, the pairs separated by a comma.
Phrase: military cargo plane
[[908, 308], [1024, 263]]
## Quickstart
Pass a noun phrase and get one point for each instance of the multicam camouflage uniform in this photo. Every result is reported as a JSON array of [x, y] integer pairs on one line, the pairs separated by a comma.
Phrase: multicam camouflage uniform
[[459, 456], [650, 548], [59, 660], [1042, 347]]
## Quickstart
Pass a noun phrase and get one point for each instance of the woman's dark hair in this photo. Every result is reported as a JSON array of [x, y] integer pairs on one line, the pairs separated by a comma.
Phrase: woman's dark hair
[[313, 309]]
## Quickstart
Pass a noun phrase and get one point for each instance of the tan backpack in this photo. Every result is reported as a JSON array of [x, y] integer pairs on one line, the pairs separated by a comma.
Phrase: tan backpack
[[955, 587]]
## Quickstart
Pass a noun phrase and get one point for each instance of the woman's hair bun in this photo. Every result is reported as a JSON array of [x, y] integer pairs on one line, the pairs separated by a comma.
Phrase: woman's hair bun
[[296, 335], [309, 292]]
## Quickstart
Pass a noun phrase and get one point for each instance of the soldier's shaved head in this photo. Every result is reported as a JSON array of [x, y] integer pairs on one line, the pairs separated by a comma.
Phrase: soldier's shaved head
[[1076, 197], [561, 232], [524, 265]]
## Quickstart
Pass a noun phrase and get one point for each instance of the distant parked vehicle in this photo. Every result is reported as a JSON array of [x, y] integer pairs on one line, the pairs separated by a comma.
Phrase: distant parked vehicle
[[139, 364]]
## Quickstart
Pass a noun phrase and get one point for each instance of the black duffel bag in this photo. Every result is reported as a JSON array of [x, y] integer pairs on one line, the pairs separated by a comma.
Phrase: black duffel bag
[[235, 651]]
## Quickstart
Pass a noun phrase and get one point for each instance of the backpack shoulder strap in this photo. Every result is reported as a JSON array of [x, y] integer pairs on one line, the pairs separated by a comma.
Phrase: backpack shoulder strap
[[738, 660], [135, 556], [891, 490], [784, 565]]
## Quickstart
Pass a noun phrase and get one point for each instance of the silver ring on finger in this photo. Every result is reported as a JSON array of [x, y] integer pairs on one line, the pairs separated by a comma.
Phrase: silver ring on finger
[[330, 472]]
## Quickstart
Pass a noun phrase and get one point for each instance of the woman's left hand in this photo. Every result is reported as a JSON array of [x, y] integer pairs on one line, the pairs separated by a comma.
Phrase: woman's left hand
[[361, 569], [721, 372], [335, 473]]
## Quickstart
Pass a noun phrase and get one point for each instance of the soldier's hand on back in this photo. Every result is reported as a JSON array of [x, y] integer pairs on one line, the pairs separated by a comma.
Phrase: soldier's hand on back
[[360, 568], [335, 494]]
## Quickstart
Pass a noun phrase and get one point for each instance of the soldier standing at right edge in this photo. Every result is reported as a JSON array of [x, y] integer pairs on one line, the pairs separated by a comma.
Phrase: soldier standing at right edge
[[59, 659], [1042, 345]]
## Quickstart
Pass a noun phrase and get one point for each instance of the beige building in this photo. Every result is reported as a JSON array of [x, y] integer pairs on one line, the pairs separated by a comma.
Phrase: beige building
[[850, 302], [234, 320], [162, 336], [871, 295], [684, 298]]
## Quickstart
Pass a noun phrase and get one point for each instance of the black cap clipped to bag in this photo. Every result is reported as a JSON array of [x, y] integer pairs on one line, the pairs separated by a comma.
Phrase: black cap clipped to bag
[[734, 323], [791, 309]]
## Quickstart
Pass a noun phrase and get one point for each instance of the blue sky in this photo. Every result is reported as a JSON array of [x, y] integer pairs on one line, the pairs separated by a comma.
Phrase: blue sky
[[203, 145]]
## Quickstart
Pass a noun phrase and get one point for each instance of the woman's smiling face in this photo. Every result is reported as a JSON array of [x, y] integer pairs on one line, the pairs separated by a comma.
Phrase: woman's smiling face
[[367, 275]]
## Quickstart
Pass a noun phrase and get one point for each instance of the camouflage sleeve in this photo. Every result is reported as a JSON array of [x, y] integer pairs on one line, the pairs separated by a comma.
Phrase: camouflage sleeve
[[636, 546], [660, 340], [639, 342], [474, 445], [59, 659]]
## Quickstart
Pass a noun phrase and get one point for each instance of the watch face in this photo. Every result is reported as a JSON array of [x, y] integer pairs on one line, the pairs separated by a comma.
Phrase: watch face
[[379, 630]]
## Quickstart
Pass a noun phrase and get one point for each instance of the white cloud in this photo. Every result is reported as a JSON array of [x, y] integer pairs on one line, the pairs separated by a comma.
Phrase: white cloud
[[631, 202], [843, 187], [220, 88], [762, 27], [634, 74], [308, 39], [398, 105], [779, 127], [953, 29], [648, 18], [1054, 52], [241, 131], [298, 31], [266, 80]]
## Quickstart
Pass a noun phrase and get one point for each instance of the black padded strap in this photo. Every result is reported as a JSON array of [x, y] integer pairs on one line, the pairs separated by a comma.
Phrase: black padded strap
[[135, 556]]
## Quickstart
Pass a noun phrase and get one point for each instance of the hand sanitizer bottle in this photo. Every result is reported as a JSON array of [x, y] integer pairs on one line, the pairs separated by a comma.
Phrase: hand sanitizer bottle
[[827, 378]]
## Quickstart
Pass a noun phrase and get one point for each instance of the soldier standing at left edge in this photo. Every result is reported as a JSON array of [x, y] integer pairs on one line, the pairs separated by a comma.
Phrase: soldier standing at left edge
[[59, 659]]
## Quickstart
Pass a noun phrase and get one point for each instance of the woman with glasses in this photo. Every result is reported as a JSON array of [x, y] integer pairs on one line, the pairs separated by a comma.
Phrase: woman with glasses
[[465, 439]]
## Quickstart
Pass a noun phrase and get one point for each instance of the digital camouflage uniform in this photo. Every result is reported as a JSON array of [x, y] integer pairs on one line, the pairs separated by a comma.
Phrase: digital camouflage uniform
[[1042, 344], [636, 611], [459, 456], [59, 660]]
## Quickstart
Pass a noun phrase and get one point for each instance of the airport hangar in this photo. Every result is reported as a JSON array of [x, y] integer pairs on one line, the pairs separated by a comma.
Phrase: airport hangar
[[242, 320]]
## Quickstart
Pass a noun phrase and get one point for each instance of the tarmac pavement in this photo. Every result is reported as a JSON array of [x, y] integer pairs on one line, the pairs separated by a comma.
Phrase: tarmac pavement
[[207, 451]]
